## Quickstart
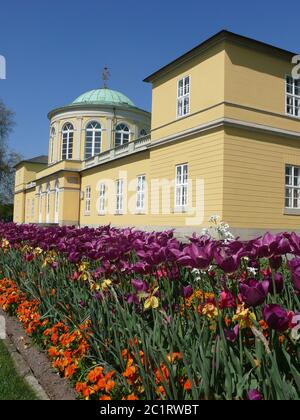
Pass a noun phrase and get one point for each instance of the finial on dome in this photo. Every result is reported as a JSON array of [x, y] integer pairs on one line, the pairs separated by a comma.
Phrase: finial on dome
[[105, 77]]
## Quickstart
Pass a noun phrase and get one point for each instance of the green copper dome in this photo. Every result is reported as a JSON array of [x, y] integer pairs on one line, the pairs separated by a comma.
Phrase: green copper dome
[[104, 96]]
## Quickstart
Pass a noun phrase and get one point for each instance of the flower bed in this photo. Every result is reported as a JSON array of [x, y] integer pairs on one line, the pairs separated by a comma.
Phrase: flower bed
[[125, 314]]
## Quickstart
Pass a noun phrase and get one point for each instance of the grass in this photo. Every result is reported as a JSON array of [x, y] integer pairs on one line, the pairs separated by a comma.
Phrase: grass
[[12, 387]]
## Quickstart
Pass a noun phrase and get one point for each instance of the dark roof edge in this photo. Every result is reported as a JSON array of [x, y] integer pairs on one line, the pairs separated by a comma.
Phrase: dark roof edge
[[213, 40], [43, 161]]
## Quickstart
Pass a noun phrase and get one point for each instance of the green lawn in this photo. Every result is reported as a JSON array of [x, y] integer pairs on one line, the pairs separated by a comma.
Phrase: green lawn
[[12, 387]]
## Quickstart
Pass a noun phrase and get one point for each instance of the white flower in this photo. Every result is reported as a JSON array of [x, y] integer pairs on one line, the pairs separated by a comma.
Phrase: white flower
[[252, 270]]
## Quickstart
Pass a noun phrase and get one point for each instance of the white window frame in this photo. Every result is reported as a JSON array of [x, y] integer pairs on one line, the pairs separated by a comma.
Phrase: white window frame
[[122, 134], [94, 128], [87, 205], [183, 95], [181, 187], [119, 196], [52, 145], [292, 187], [68, 140], [141, 193], [293, 96], [102, 198]]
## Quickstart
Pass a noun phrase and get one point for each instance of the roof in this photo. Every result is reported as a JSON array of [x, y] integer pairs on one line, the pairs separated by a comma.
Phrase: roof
[[215, 39], [104, 96], [43, 159]]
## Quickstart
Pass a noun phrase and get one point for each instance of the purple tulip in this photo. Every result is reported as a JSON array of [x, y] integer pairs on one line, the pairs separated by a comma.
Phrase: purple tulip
[[139, 285], [276, 317], [196, 257], [268, 246], [228, 258], [295, 268], [253, 292], [254, 395], [187, 291], [133, 299], [231, 335]]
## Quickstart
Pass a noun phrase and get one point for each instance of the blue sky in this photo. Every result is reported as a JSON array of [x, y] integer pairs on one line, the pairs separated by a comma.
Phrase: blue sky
[[56, 49]]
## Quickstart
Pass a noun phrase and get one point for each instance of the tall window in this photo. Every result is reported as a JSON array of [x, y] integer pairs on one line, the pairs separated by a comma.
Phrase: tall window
[[183, 97], [292, 187], [292, 96], [102, 199], [119, 195], [48, 204], [56, 205], [181, 189], [121, 135], [140, 192], [67, 141], [52, 145], [88, 200], [92, 139]]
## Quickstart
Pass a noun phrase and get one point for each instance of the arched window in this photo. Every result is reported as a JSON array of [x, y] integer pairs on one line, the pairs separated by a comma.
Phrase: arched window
[[92, 139], [52, 145], [122, 134], [143, 132], [67, 141]]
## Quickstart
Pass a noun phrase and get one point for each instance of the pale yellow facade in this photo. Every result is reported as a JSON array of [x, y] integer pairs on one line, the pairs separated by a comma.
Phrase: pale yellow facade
[[226, 152]]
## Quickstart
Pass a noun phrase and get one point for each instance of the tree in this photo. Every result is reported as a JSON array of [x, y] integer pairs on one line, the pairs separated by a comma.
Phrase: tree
[[8, 158]]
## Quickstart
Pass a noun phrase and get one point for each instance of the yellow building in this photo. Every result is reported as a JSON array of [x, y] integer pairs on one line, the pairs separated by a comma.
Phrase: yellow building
[[224, 138]]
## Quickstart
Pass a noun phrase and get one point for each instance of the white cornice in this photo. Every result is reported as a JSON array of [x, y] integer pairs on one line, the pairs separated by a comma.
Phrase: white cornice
[[223, 122]]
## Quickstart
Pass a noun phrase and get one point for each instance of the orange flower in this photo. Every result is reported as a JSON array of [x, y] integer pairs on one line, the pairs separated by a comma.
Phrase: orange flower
[[110, 385], [110, 374], [70, 370], [129, 372], [174, 356], [105, 397], [132, 397], [164, 371], [161, 390], [95, 374], [187, 386], [53, 352], [263, 324], [83, 389]]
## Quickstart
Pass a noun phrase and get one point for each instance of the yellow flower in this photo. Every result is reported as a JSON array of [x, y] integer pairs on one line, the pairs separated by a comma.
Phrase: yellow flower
[[151, 302], [5, 243], [244, 317], [37, 251], [105, 284], [50, 258], [83, 266], [210, 310]]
